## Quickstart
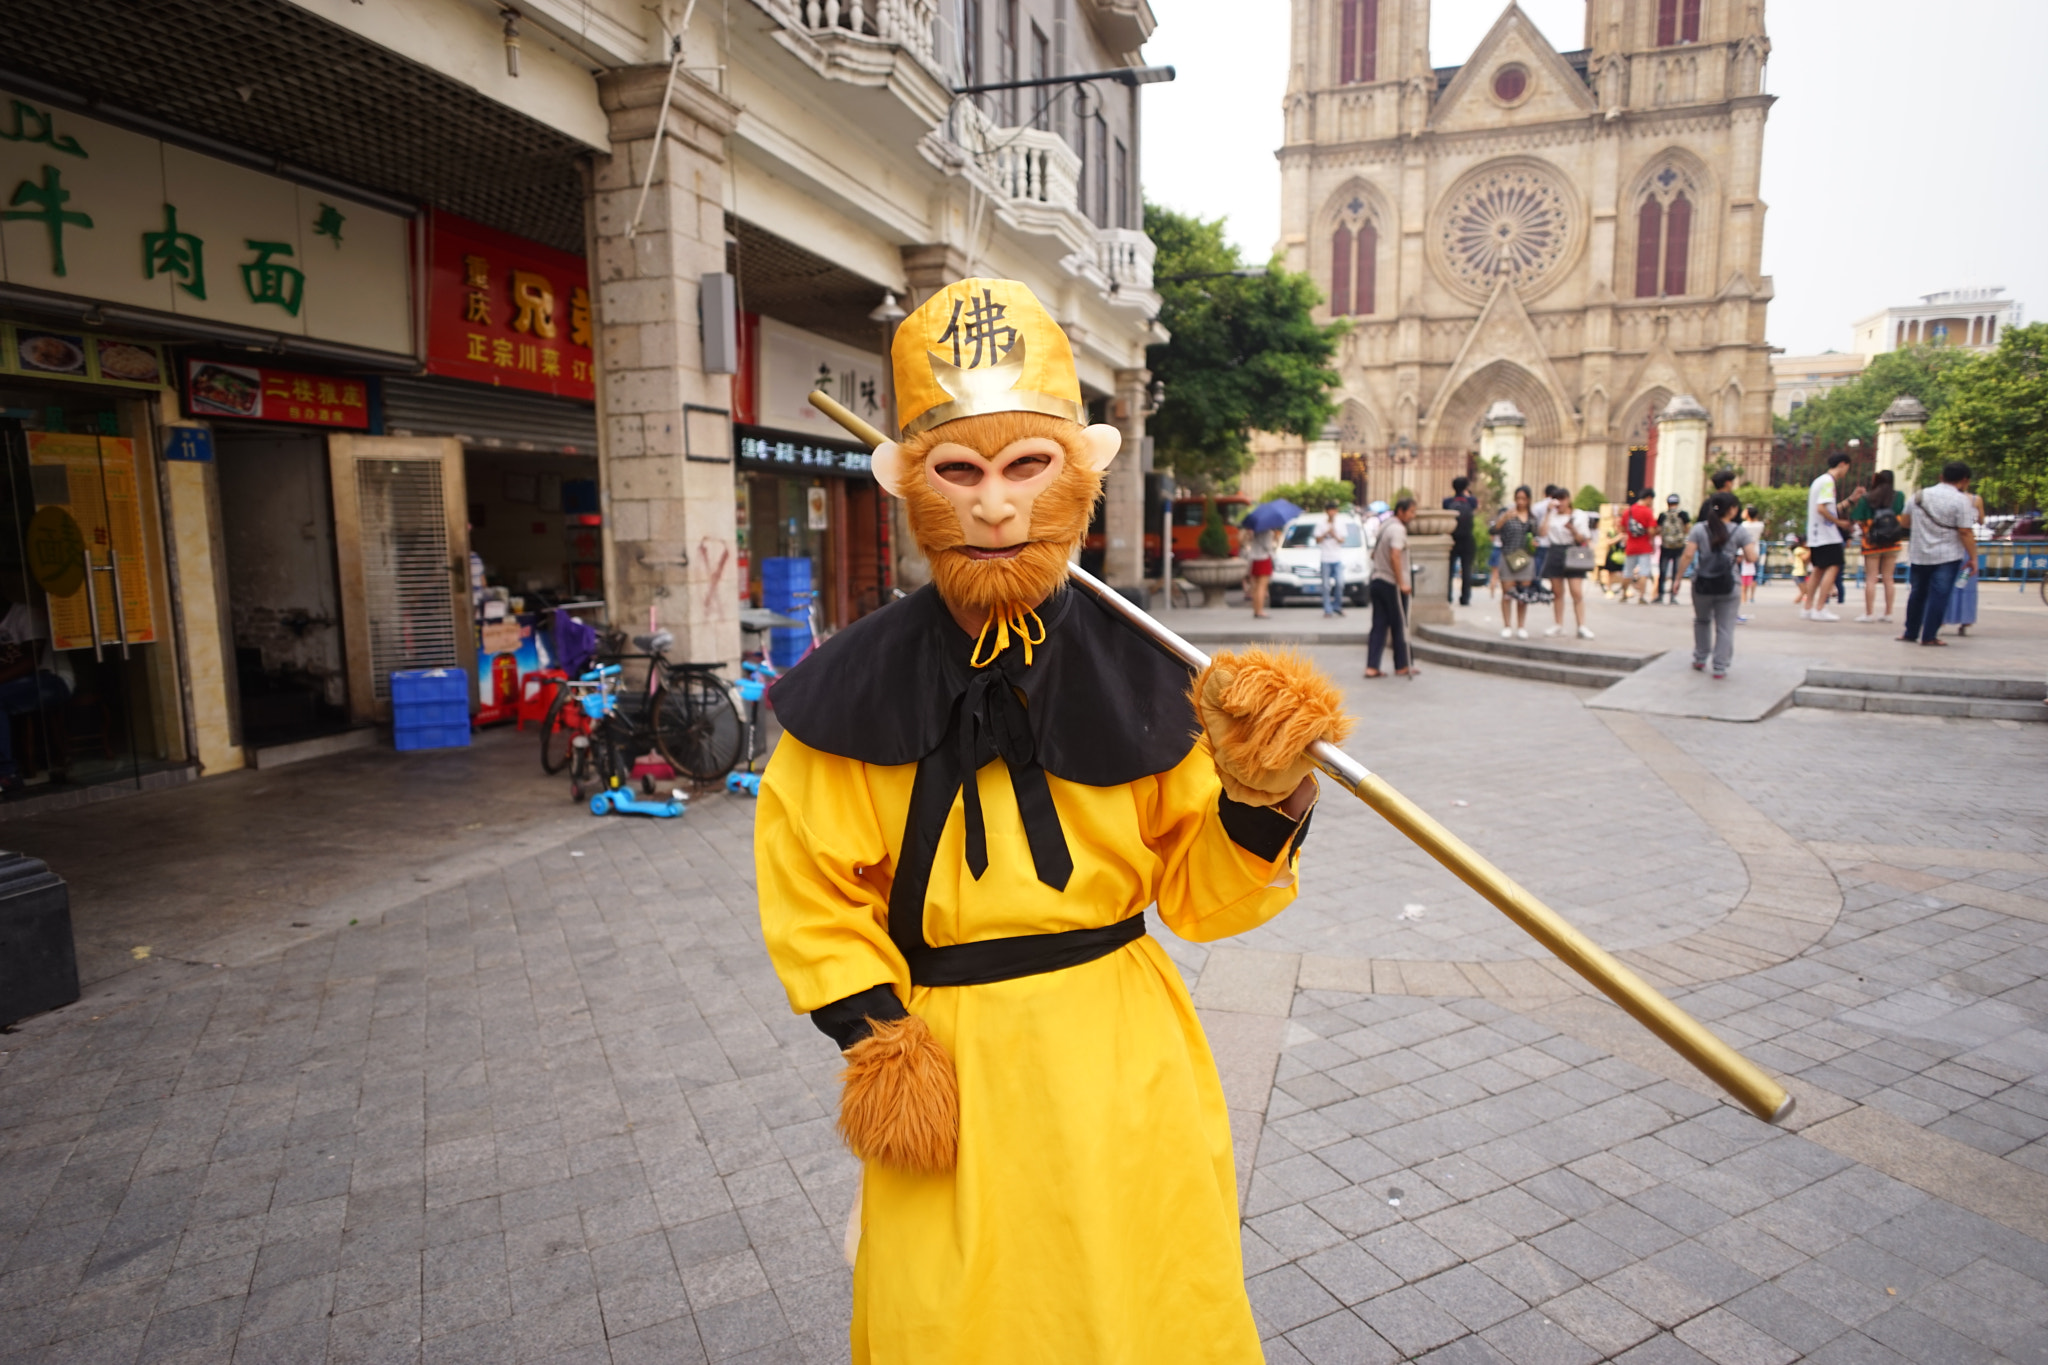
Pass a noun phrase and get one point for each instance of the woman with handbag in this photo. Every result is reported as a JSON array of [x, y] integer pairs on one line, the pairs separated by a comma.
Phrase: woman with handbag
[[1719, 548], [1567, 540], [1514, 533]]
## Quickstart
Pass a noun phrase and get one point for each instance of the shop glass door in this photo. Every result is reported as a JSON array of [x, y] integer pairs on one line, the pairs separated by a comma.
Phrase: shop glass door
[[78, 616]]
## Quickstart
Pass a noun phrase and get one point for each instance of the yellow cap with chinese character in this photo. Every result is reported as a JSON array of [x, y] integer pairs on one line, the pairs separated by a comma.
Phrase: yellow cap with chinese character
[[982, 346]]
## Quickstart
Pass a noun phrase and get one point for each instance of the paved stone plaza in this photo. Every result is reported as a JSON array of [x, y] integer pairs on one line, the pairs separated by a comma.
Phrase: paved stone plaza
[[543, 1100]]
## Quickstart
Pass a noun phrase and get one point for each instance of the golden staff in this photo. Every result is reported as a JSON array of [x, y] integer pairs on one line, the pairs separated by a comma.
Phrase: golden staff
[[1684, 1034]]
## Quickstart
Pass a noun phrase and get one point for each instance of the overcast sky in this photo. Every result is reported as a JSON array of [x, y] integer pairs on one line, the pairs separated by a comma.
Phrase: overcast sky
[[1908, 150]]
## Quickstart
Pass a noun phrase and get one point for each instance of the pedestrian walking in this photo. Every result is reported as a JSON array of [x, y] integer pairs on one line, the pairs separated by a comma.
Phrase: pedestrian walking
[[1753, 567], [1465, 505], [1962, 603], [1672, 524], [1639, 545], [1259, 549], [1876, 515], [1567, 540], [1712, 550], [1330, 546], [1514, 537], [1824, 540], [1941, 539], [1389, 587]]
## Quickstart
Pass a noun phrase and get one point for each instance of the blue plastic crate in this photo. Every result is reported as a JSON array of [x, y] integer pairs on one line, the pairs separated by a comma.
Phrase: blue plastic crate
[[787, 644], [429, 685], [786, 572], [419, 713], [431, 736]]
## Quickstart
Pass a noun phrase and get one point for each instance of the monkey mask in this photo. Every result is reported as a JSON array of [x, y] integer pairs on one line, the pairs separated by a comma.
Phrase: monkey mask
[[997, 464]]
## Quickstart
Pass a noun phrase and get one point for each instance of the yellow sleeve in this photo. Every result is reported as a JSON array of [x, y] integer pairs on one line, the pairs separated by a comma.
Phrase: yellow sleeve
[[826, 925], [1212, 886]]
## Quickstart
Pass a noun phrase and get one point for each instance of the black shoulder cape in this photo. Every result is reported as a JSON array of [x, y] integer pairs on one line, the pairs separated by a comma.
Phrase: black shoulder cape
[[1104, 705]]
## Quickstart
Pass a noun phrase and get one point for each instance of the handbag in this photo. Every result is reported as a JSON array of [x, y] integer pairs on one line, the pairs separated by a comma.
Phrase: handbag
[[1578, 557], [1517, 561]]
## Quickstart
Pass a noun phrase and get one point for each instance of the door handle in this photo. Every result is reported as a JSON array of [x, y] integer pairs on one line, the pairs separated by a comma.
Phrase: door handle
[[120, 605], [92, 606]]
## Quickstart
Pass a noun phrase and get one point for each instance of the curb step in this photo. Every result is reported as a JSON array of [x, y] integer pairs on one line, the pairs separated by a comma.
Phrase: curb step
[[1920, 703], [1538, 669], [1929, 684]]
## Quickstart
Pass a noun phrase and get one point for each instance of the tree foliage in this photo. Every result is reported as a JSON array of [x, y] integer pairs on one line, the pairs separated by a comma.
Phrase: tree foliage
[[1589, 498], [1830, 421], [1782, 510], [1994, 417], [1245, 355], [1315, 495], [1214, 541]]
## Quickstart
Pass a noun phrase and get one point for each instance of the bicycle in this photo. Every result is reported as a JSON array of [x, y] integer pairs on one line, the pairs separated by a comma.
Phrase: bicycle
[[688, 713]]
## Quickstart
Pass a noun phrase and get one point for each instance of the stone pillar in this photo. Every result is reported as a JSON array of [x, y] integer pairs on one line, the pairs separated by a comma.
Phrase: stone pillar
[[1682, 451], [1500, 438], [665, 456], [1906, 414], [1324, 457], [1429, 549], [1123, 507]]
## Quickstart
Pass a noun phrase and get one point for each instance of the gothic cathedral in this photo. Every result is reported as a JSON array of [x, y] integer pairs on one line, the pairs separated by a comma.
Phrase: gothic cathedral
[[1577, 233]]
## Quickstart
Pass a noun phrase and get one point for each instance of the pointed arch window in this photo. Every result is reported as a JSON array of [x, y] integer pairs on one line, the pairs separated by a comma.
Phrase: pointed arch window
[[1358, 36], [1664, 235], [1354, 258], [1678, 21]]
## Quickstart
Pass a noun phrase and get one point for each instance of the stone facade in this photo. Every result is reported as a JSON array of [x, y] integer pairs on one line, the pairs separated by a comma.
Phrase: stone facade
[[1578, 233]]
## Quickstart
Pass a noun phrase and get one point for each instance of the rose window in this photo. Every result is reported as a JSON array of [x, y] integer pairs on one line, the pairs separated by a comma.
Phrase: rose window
[[1509, 223]]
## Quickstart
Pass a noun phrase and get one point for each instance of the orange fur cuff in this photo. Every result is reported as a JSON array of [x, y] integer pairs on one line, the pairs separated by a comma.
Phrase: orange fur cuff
[[899, 1102], [1262, 710]]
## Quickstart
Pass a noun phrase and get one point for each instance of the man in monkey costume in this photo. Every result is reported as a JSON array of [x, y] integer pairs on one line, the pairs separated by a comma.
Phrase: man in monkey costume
[[979, 791]]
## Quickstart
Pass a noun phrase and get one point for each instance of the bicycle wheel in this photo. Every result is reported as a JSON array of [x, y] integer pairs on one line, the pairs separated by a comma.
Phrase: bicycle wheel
[[697, 726], [555, 733]]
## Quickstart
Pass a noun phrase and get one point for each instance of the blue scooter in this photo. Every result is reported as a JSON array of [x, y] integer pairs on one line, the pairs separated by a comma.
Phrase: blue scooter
[[600, 757]]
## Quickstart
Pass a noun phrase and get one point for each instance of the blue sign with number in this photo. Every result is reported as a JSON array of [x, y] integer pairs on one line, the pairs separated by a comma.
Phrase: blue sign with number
[[190, 443]]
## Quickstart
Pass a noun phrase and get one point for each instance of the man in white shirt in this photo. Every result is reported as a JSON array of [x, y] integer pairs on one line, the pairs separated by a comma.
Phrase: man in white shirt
[[1941, 543], [1330, 539], [32, 677], [1824, 545]]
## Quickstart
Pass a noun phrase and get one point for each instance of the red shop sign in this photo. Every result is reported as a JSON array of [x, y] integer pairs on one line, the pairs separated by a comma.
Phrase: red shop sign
[[261, 394], [503, 310]]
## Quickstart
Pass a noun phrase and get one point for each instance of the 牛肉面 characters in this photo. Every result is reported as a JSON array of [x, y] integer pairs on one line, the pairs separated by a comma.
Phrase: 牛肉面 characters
[[979, 791]]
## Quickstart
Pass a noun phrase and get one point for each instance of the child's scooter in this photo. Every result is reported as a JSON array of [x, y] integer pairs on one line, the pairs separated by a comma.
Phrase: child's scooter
[[756, 676], [603, 757]]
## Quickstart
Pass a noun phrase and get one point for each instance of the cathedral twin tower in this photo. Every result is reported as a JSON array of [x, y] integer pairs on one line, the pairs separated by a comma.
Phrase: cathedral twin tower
[[1577, 233]]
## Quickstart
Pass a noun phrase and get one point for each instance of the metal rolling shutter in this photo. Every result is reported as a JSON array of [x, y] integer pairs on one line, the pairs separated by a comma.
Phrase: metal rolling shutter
[[406, 575], [492, 419]]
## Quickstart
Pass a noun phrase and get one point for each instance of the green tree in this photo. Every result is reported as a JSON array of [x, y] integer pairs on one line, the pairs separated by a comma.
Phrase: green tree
[[1589, 498], [1781, 509], [1995, 419], [1315, 495], [1830, 421], [1245, 355]]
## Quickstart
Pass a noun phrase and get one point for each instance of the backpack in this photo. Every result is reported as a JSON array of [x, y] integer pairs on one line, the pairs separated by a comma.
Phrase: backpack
[[1671, 531], [1884, 531], [1714, 570]]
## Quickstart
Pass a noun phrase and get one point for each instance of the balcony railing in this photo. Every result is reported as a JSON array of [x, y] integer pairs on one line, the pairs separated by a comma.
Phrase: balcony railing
[[909, 24], [1126, 257]]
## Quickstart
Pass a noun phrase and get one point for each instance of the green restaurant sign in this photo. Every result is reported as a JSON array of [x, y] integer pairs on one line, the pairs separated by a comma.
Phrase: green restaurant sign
[[95, 211]]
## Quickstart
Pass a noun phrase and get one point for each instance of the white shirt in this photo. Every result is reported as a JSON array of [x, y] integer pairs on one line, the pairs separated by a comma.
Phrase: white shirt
[[1819, 530], [1937, 514], [1561, 528], [1330, 542]]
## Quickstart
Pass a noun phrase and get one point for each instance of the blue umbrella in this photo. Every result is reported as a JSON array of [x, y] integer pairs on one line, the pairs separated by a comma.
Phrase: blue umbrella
[[1270, 516]]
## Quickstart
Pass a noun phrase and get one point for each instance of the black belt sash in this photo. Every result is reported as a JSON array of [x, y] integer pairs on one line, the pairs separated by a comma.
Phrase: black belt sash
[[988, 722]]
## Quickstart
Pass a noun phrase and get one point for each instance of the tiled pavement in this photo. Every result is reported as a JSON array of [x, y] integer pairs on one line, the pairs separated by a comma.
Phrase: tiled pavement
[[559, 1111]]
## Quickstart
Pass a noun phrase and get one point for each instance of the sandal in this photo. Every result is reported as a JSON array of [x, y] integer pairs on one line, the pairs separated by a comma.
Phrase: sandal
[[1934, 644], [1374, 673]]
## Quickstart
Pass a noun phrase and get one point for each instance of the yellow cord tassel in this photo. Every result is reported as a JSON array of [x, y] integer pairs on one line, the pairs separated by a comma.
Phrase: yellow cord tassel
[[1004, 619]]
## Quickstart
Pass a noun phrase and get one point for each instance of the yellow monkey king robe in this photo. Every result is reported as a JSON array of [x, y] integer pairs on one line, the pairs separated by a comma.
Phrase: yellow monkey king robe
[[1092, 1216]]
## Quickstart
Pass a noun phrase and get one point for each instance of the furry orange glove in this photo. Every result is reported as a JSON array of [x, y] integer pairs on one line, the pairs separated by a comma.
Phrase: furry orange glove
[[1262, 710], [899, 1101]]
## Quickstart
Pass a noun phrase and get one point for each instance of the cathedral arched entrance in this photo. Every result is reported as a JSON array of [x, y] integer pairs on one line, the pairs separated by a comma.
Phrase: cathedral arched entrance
[[1639, 437], [1548, 454]]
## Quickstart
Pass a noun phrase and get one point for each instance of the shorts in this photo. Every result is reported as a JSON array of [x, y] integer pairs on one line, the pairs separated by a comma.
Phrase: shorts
[[1553, 563], [1262, 568], [1643, 565], [1824, 556], [1748, 569]]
